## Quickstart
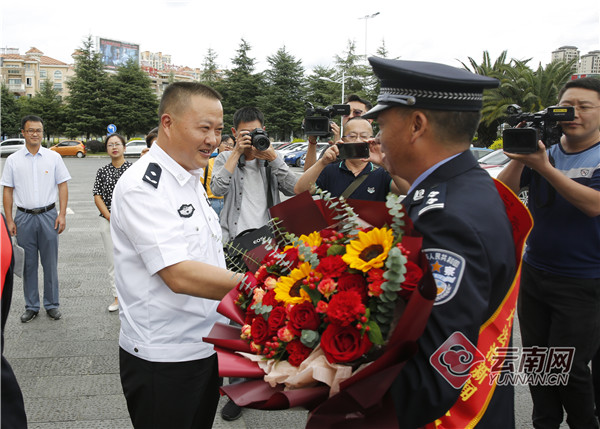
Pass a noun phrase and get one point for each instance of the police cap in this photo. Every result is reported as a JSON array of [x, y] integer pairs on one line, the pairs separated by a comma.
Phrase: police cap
[[428, 86]]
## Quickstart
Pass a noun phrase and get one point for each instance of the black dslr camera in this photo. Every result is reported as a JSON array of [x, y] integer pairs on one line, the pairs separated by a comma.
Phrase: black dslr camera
[[316, 121], [539, 126], [260, 139]]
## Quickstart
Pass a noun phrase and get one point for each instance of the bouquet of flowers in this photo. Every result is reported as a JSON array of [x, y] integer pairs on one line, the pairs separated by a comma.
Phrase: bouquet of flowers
[[326, 308]]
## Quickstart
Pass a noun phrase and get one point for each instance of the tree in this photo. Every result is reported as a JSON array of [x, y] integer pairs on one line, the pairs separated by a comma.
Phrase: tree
[[242, 86], [134, 106], [283, 98], [10, 125], [358, 76], [88, 97], [47, 104], [210, 70]]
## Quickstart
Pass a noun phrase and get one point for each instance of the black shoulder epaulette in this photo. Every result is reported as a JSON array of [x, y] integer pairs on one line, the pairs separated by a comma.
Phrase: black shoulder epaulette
[[152, 174], [432, 199]]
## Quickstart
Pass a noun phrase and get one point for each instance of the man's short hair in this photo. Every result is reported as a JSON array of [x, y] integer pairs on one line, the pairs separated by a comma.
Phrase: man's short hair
[[177, 95], [30, 118], [591, 83], [354, 97], [357, 118], [248, 114], [450, 126], [152, 134]]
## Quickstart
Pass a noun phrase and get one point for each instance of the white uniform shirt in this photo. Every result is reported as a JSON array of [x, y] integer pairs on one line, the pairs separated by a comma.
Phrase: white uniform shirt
[[153, 228], [34, 177]]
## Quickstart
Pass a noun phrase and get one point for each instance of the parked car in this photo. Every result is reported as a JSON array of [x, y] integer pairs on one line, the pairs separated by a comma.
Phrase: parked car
[[9, 146], [494, 162], [321, 147], [70, 148], [294, 157], [479, 152], [279, 145], [135, 147], [292, 147]]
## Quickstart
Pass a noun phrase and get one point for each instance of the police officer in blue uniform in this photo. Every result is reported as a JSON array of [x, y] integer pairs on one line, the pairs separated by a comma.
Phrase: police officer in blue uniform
[[428, 114]]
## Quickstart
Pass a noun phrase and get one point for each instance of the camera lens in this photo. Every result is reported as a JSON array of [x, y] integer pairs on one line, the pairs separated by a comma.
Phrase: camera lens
[[261, 142]]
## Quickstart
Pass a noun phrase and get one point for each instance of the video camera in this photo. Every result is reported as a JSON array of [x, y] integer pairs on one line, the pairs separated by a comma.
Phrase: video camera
[[539, 126], [316, 121]]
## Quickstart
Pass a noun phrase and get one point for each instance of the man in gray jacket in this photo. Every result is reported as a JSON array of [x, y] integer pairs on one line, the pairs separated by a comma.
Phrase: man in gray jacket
[[249, 179]]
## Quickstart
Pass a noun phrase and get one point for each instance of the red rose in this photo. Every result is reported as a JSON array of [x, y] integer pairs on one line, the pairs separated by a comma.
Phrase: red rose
[[345, 307], [249, 316], [355, 282], [276, 320], [259, 330], [298, 352], [321, 251], [290, 258], [269, 299], [303, 316], [413, 275], [261, 274], [344, 344], [332, 266]]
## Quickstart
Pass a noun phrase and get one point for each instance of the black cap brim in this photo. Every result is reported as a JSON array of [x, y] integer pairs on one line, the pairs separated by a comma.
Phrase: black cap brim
[[375, 111]]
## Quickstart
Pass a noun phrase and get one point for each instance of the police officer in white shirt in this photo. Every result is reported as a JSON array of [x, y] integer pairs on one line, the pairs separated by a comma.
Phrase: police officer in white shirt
[[169, 267]]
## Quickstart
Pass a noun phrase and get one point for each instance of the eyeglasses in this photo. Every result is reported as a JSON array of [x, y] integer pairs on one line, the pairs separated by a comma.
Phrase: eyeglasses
[[114, 144], [355, 112], [582, 108], [352, 137], [32, 131]]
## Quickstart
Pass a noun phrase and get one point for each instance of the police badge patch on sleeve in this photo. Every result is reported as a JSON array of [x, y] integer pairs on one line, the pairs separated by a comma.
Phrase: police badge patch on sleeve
[[186, 210], [447, 269]]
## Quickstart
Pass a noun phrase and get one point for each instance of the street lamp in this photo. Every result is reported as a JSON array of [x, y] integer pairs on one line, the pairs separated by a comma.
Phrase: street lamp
[[343, 82], [366, 18]]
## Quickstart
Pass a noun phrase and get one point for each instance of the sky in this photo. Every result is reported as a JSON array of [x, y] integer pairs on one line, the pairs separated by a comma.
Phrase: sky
[[312, 31]]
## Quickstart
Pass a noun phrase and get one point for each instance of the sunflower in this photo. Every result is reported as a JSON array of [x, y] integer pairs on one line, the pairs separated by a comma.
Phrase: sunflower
[[369, 250], [288, 288], [313, 239]]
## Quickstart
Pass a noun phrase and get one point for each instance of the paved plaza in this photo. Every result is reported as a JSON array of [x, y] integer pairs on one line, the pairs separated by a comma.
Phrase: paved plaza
[[68, 369]]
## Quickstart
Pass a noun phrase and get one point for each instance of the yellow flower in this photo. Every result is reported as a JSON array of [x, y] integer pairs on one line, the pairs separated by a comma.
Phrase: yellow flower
[[288, 288], [313, 239], [369, 250]]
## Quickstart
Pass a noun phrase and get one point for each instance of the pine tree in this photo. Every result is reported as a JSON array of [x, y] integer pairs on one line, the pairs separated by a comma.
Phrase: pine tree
[[88, 97], [134, 106], [10, 122], [47, 104], [282, 99]]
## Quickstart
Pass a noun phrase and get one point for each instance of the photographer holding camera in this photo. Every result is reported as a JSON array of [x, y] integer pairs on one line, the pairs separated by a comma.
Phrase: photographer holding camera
[[356, 107], [240, 174], [559, 301], [343, 171]]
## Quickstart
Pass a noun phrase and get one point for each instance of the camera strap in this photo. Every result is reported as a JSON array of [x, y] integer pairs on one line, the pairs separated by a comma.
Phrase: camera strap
[[269, 186], [353, 186]]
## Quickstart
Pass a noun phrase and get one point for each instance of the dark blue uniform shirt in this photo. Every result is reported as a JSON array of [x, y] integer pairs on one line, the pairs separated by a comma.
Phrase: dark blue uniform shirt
[[336, 177]]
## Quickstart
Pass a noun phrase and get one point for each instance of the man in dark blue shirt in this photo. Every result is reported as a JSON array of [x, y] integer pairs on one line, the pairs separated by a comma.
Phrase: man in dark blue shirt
[[336, 176]]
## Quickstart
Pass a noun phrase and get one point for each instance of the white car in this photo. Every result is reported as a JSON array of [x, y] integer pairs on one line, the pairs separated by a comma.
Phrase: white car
[[494, 162], [135, 147], [9, 146], [292, 148]]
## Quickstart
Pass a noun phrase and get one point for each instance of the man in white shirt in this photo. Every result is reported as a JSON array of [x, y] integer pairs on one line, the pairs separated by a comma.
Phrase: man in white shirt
[[31, 178], [170, 268]]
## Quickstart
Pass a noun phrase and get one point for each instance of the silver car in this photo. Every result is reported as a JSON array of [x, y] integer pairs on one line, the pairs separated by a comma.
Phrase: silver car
[[9, 146]]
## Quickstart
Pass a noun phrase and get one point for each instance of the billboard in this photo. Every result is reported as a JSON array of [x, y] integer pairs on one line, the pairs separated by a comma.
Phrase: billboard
[[116, 54]]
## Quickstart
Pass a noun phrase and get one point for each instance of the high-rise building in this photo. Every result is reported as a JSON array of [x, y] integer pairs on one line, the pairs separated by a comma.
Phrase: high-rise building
[[589, 63], [565, 53], [24, 74]]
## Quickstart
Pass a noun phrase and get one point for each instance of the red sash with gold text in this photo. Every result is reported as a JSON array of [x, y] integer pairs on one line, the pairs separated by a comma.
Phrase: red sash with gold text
[[477, 392]]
